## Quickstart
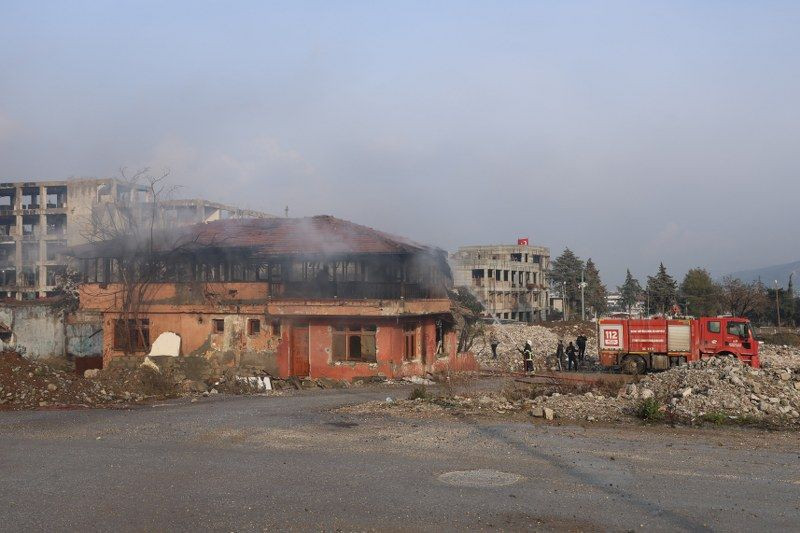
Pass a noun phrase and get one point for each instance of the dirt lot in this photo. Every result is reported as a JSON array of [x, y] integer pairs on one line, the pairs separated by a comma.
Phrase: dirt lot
[[300, 462]]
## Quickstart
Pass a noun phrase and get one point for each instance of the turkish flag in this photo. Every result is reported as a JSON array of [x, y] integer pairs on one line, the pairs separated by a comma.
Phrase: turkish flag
[[522, 242]]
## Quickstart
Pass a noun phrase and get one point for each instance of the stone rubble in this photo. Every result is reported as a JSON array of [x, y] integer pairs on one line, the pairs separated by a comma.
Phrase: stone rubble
[[719, 389], [544, 340]]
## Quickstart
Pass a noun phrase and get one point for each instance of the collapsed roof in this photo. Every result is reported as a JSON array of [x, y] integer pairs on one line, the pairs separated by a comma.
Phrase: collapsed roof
[[311, 236]]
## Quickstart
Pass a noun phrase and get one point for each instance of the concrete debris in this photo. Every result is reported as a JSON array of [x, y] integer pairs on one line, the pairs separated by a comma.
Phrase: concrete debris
[[257, 384], [416, 380], [777, 356], [713, 390], [150, 365], [544, 340], [26, 384], [168, 343], [91, 373]]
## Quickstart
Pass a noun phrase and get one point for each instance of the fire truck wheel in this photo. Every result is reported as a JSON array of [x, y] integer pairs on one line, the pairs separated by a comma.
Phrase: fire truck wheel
[[634, 364]]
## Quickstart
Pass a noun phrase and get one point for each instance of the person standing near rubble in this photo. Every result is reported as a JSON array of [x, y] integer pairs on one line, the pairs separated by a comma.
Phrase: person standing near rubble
[[560, 354], [581, 343], [572, 356], [494, 343], [527, 354]]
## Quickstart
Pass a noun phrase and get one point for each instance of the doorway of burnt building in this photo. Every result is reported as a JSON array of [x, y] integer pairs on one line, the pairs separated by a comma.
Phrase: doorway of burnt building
[[299, 351]]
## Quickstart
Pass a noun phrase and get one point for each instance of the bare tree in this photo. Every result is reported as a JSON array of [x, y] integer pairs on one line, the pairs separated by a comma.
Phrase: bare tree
[[134, 248], [740, 298]]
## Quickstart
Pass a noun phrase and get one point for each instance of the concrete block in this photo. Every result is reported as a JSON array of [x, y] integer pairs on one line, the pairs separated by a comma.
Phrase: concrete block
[[168, 343]]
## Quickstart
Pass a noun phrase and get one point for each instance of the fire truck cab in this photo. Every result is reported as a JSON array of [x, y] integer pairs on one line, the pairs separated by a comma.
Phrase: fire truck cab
[[660, 343]]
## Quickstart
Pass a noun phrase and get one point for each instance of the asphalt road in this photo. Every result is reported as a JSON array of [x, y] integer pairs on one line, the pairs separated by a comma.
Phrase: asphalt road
[[255, 463]]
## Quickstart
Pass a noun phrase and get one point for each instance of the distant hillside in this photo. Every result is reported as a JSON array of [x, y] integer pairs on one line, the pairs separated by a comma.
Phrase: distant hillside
[[769, 274]]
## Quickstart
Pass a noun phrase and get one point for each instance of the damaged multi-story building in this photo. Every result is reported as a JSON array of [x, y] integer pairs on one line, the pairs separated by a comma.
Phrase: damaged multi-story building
[[509, 280], [317, 297], [39, 219]]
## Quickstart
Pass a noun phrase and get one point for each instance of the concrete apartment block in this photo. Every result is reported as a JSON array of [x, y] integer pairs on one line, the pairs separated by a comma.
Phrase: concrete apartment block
[[38, 220], [510, 280]]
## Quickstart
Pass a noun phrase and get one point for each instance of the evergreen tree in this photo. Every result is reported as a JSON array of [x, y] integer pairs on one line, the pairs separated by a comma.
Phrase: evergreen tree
[[630, 291], [565, 275], [662, 291], [699, 293], [595, 292]]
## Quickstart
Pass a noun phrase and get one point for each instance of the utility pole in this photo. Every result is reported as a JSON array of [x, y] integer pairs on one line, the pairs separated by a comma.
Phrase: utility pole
[[777, 305], [564, 301]]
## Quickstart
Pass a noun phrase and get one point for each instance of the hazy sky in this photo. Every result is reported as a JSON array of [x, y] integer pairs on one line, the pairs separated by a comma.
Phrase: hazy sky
[[631, 132]]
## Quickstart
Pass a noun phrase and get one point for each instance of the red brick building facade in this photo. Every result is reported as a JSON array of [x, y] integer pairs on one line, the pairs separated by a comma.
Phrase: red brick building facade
[[317, 297]]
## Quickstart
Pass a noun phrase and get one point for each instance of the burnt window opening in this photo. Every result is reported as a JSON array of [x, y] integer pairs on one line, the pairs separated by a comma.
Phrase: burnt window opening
[[8, 277], [276, 328], [354, 343], [56, 224], [8, 225], [253, 326], [135, 331], [410, 342], [54, 249], [218, 325], [7, 253], [28, 276], [56, 196], [30, 198], [30, 252], [439, 338], [7, 199], [54, 274], [516, 258], [30, 225]]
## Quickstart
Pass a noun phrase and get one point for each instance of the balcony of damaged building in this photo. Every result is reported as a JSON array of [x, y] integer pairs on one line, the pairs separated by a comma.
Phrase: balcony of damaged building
[[311, 297]]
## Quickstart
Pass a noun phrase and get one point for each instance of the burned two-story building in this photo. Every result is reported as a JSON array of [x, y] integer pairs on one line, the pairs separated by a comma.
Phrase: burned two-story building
[[317, 297]]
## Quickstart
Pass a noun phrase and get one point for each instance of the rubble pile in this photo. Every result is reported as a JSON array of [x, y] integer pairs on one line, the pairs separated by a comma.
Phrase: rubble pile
[[26, 384], [512, 337], [723, 385], [777, 356], [718, 390]]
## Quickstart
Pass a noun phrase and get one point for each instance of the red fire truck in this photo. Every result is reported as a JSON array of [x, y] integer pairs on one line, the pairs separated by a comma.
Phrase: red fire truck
[[659, 343]]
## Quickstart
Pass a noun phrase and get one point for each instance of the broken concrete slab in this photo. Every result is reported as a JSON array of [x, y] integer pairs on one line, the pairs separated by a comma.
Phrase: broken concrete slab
[[168, 343]]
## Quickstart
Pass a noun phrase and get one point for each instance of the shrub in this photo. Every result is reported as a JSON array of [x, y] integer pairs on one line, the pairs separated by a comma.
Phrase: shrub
[[715, 418], [418, 392], [650, 409]]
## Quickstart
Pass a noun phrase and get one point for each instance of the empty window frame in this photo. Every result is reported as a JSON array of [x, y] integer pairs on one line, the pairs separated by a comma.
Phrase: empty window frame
[[30, 198], [54, 249], [410, 342], [253, 326], [133, 331], [7, 199], [30, 252], [276, 328], [354, 343], [30, 225], [218, 325], [56, 224]]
